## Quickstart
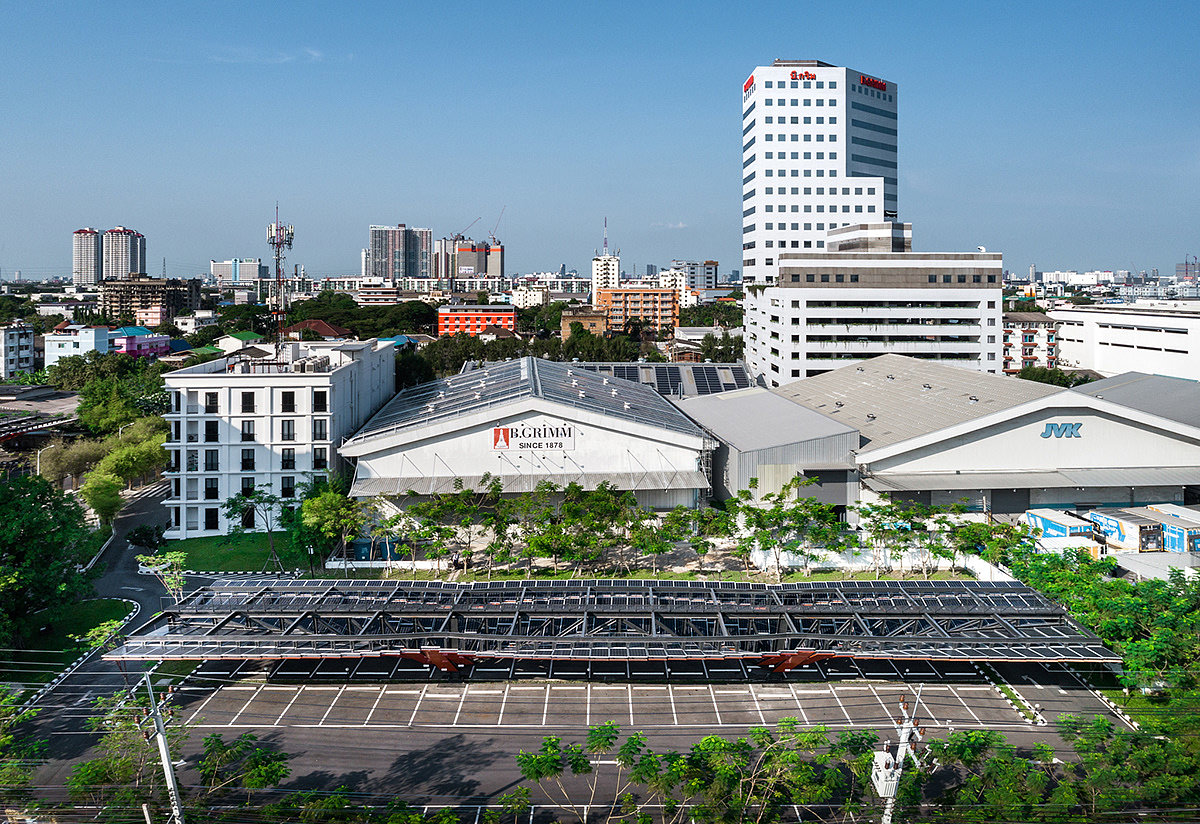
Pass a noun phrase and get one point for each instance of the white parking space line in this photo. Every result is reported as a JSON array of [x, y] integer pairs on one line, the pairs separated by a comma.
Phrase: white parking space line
[[331, 703], [833, 692], [416, 706], [589, 705], [758, 706], [966, 706], [378, 698], [674, 714], [886, 712], [288, 707], [203, 704], [799, 706], [461, 701], [545, 705], [503, 704], [249, 701], [716, 709]]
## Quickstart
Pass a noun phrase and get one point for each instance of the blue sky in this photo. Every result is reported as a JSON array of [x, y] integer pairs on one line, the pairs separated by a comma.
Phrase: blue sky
[[1062, 134]]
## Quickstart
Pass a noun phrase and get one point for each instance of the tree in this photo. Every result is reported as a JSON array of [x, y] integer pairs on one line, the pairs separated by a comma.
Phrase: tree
[[17, 755], [43, 541], [147, 536], [167, 567], [103, 494], [334, 515], [241, 763], [247, 509]]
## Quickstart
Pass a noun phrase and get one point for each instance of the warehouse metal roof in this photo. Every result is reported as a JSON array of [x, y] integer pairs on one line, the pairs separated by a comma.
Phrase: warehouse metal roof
[[757, 418], [1177, 399], [498, 384], [524, 483], [892, 398], [458, 625], [675, 380], [1063, 477]]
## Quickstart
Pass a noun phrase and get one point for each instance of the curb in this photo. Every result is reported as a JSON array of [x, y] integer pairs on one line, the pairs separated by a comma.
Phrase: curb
[[78, 662], [1027, 713], [101, 551], [1108, 702]]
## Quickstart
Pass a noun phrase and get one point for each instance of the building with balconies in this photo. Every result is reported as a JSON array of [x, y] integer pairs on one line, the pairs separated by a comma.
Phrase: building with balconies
[[869, 294], [1030, 339], [240, 423], [16, 349]]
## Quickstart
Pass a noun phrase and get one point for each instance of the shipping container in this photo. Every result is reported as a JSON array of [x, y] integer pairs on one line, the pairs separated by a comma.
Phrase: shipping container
[[1055, 524], [1125, 530], [1181, 526]]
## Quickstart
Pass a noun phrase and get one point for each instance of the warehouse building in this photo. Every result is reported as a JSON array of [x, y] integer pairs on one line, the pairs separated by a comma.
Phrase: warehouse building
[[526, 421], [939, 434]]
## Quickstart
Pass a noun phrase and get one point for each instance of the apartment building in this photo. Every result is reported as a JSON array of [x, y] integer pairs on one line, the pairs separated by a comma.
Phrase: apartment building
[[869, 294], [123, 298], [653, 307], [1030, 339], [240, 423], [470, 319], [76, 339], [16, 349]]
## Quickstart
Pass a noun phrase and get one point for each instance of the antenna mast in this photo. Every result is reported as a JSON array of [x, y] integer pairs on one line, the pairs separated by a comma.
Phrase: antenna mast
[[279, 237]]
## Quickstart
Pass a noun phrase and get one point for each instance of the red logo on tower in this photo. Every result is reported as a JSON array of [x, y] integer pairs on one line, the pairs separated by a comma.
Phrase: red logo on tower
[[500, 437]]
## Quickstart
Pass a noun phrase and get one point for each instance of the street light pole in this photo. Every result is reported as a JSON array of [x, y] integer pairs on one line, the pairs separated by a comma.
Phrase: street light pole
[[164, 752], [37, 469]]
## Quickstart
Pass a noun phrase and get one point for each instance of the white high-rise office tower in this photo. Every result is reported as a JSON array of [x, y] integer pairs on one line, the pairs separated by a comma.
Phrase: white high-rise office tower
[[818, 153], [124, 253], [87, 259]]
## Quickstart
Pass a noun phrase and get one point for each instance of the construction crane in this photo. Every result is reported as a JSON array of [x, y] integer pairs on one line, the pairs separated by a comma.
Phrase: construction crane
[[492, 234], [463, 234]]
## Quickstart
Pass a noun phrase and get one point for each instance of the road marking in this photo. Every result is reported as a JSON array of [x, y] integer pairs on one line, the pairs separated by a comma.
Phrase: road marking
[[758, 706], [589, 705], [716, 709], [674, 715], [630, 707], [461, 701], [288, 707], [416, 707], [203, 704], [545, 705], [503, 704], [799, 706], [966, 706], [249, 701], [961, 689], [886, 712], [403, 692], [331, 703], [833, 692], [378, 698]]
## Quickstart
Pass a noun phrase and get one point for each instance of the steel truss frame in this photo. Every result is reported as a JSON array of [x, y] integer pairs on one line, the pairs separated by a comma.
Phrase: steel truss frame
[[456, 625]]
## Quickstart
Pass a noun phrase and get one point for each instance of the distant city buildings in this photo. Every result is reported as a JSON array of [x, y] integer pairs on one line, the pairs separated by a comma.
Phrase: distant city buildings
[[398, 252], [655, 308], [467, 319], [124, 298], [1155, 337], [124, 253], [238, 272], [1030, 339], [76, 339], [818, 153]]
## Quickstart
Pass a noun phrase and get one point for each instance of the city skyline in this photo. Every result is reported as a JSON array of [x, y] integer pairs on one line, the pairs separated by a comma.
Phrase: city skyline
[[1021, 132]]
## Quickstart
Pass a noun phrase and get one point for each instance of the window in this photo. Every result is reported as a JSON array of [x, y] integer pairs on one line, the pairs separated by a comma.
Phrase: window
[[247, 430], [962, 278], [210, 431], [854, 278], [211, 461], [247, 460], [248, 518], [947, 278], [247, 486], [824, 278], [210, 403], [288, 458], [212, 488], [212, 518], [247, 401], [287, 430], [287, 487], [287, 402], [320, 458], [810, 278]]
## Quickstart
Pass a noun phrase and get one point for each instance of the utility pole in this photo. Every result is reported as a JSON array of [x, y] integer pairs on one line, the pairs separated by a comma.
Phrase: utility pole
[[164, 752], [887, 769]]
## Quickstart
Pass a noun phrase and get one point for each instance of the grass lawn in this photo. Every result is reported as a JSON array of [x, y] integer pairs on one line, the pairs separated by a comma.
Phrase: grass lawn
[[1151, 710], [227, 553], [545, 574], [51, 649]]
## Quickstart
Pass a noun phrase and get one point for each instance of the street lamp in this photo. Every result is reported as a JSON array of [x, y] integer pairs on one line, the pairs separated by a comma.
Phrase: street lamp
[[37, 470], [121, 429]]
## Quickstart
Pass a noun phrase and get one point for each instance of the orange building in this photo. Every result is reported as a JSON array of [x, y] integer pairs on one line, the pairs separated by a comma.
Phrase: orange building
[[654, 307], [471, 319]]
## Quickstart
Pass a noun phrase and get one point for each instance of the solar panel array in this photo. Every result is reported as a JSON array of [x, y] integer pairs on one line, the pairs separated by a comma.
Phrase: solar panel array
[[677, 379]]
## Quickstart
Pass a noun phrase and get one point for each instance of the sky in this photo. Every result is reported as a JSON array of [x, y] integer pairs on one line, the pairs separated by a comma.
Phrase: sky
[[1063, 134]]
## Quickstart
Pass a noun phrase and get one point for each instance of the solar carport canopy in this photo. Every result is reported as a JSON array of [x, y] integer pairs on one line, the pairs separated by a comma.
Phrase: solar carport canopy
[[616, 620]]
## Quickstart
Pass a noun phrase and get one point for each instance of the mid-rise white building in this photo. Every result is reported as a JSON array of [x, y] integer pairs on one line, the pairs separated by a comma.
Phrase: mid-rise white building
[[700, 275], [868, 294], [16, 349], [243, 422], [606, 272], [76, 339], [238, 272], [87, 257], [818, 153], [1160, 338], [200, 319]]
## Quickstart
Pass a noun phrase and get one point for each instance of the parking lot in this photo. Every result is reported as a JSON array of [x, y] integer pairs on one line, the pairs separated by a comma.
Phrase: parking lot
[[841, 697]]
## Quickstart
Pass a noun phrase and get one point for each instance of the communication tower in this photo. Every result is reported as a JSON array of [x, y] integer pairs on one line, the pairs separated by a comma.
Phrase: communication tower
[[279, 237]]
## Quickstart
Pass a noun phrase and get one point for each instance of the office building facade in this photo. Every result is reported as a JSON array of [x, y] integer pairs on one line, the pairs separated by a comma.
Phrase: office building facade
[[1162, 338], [87, 257], [869, 294], [124, 253], [16, 349], [819, 152]]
